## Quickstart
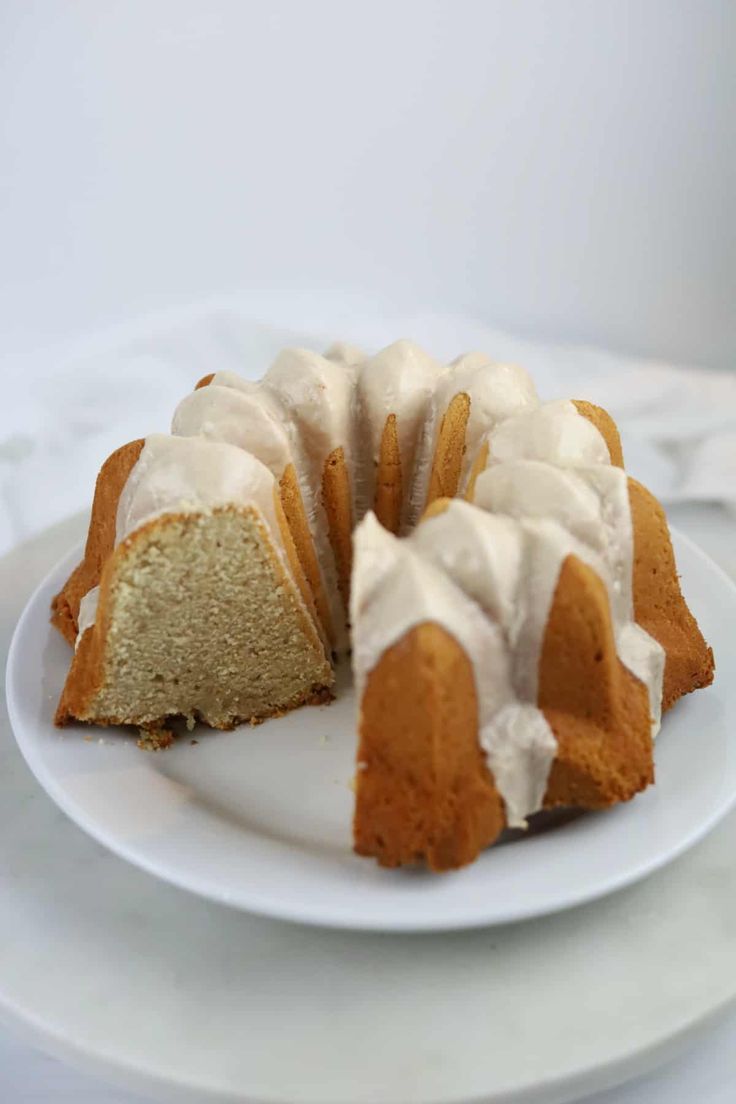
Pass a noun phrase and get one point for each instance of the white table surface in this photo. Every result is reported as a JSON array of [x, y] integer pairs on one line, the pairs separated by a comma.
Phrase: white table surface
[[705, 1073]]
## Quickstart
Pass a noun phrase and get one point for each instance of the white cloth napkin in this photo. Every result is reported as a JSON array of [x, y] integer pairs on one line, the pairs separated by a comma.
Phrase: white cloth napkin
[[69, 409]]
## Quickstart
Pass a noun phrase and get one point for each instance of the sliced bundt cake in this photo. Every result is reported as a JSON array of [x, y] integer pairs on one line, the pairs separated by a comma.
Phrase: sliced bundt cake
[[516, 619]]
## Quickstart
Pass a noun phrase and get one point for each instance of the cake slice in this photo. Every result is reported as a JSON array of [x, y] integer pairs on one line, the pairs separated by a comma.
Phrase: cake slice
[[200, 611], [225, 407], [490, 685]]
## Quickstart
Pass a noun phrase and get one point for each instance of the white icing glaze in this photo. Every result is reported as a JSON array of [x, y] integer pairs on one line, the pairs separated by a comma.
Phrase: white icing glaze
[[592, 504], [400, 380], [232, 379], [496, 392], [482, 553], [343, 353], [317, 396], [245, 418], [533, 489], [87, 613], [645, 657], [554, 432], [395, 589], [520, 748], [192, 475]]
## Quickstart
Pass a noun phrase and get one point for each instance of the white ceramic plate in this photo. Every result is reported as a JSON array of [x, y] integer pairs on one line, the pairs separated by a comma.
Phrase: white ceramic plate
[[260, 818], [111, 969]]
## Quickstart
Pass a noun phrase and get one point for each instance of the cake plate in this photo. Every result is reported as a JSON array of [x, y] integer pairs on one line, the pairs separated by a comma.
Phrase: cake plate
[[260, 818], [169, 994]]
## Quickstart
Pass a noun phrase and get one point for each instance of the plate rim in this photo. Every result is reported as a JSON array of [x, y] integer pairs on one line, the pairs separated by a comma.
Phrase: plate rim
[[614, 1073], [312, 913]]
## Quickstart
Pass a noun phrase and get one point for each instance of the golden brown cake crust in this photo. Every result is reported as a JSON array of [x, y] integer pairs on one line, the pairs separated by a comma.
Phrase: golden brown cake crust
[[292, 556], [389, 484], [100, 538], [659, 606], [606, 426], [423, 790], [337, 500], [597, 710], [449, 451], [296, 517]]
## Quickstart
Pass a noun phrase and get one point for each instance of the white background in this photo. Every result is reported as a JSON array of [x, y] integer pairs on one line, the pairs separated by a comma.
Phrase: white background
[[564, 169]]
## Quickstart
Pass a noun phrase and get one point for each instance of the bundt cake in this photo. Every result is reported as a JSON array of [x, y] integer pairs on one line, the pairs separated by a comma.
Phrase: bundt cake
[[510, 596]]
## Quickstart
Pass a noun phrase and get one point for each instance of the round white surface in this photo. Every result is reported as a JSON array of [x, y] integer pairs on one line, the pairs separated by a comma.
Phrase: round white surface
[[179, 997], [261, 818]]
